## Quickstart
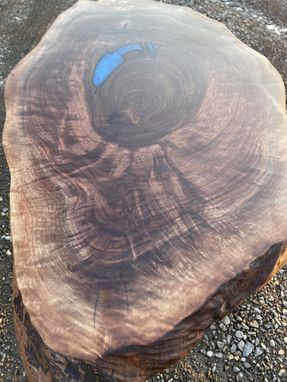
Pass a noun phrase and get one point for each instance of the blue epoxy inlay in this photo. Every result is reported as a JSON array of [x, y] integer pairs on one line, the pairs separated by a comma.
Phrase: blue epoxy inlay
[[109, 62]]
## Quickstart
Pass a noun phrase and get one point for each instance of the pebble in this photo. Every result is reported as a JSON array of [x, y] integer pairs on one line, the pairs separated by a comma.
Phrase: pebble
[[244, 326], [6, 237], [209, 353], [226, 320], [236, 369], [281, 352], [272, 343], [254, 324], [239, 376], [241, 345], [220, 344], [258, 352], [248, 349], [218, 355], [233, 348], [223, 327], [282, 373], [239, 334]]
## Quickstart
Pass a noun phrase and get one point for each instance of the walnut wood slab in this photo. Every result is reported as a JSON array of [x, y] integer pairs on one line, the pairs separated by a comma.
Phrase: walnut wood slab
[[148, 155]]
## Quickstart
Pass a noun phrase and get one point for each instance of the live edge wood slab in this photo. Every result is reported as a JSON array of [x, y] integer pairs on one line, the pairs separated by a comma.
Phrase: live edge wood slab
[[148, 155]]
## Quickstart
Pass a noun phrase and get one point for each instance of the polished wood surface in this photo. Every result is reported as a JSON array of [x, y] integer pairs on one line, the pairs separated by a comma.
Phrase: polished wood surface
[[148, 154]]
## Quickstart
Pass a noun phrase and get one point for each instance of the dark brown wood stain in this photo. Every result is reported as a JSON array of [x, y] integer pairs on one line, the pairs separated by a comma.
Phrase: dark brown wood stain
[[141, 209]]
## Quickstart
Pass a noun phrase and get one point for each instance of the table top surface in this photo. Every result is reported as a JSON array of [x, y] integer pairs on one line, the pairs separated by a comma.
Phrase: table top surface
[[147, 149]]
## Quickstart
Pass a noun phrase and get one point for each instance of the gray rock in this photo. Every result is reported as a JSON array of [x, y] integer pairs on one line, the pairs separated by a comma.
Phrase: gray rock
[[248, 349], [233, 348], [241, 345], [236, 369], [222, 326], [226, 320], [282, 373], [258, 352], [272, 343], [220, 344], [229, 338], [239, 334], [209, 353], [268, 325], [239, 376], [244, 326]]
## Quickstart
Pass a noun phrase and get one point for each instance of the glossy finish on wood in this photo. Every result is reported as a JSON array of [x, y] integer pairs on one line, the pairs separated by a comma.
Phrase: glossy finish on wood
[[148, 155]]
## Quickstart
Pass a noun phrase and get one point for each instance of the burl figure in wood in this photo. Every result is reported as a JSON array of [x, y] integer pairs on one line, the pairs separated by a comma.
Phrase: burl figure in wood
[[148, 155]]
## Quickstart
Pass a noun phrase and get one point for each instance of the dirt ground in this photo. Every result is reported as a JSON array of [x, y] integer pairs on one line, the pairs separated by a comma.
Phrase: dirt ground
[[250, 344]]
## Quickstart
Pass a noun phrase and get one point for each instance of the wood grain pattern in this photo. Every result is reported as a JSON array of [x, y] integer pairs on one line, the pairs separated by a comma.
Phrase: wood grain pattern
[[147, 150]]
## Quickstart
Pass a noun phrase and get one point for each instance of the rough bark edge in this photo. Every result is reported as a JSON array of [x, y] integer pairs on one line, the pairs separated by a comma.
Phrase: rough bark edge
[[42, 364]]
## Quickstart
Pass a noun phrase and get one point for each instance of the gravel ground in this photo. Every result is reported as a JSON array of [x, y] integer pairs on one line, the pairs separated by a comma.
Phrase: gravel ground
[[251, 343]]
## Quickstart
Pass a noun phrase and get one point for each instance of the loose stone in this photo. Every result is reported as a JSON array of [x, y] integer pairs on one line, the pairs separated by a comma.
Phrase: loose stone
[[248, 349], [241, 345], [233, 348], [223, 327], [272, 343], [226, 320], [282, 373], [258, 352], [220, 344], [236, 369], [254, 324], [239, 334]]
